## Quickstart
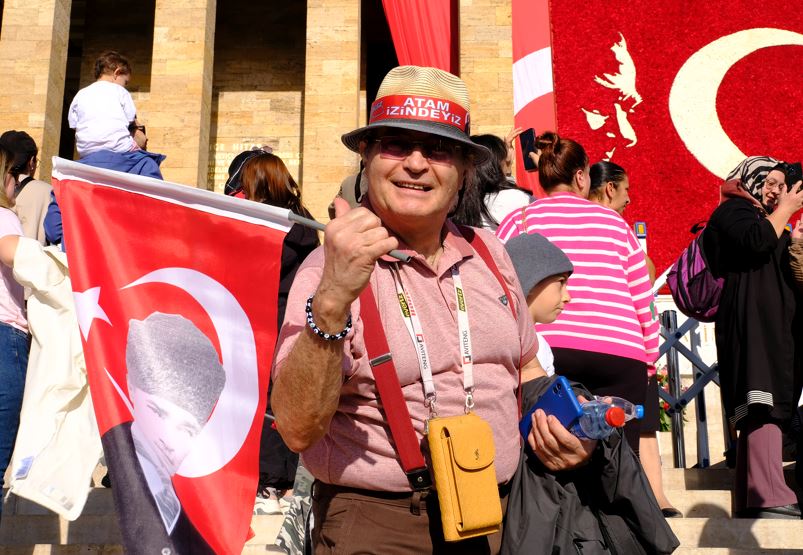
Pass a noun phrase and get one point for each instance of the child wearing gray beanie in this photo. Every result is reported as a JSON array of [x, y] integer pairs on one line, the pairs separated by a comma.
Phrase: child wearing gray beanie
[[543, 270]]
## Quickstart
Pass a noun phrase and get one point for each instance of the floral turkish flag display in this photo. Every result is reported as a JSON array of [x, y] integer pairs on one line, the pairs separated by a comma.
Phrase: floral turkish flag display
[[678, 93], [175, 293]]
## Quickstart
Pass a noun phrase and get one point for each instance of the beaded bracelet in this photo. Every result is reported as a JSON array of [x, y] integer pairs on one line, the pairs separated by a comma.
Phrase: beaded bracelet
[[318, 331]]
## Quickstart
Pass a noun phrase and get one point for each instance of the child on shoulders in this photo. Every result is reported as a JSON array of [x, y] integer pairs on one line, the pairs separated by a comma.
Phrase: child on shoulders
[[102, 112], [105, 122]]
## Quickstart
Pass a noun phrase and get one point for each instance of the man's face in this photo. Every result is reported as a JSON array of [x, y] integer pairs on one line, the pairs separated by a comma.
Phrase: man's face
[[771, 189], [413, 177], [168, 429]]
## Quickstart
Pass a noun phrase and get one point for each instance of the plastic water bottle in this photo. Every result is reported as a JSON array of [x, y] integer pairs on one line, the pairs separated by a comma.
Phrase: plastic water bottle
[[631, 411], [598, 420]]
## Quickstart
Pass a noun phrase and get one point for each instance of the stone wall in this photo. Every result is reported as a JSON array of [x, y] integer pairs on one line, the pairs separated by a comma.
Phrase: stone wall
[[231, 75], [33, 59], [258, 83], [486, 59]]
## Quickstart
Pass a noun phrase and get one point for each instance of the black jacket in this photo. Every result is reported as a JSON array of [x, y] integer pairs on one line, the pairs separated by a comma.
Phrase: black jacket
[[605, 507]]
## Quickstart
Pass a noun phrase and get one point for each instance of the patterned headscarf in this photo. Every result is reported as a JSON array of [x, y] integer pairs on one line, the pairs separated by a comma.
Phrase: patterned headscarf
[[751, 172]]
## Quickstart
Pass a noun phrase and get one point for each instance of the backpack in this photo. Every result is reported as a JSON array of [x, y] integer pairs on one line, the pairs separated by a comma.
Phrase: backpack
[[694, 288]]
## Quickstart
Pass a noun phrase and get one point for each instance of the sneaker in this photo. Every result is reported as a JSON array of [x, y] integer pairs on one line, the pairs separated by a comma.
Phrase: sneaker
[[267, 503]]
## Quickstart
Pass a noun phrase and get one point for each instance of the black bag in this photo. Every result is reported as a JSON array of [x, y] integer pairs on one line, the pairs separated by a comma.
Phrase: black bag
[[606, 507]]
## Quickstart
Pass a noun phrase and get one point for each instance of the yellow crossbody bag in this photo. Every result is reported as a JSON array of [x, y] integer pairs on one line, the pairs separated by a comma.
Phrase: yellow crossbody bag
[[462, 451]]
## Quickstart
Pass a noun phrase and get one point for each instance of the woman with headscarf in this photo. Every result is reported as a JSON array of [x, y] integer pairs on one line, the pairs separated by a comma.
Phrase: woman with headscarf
[[757, 328]]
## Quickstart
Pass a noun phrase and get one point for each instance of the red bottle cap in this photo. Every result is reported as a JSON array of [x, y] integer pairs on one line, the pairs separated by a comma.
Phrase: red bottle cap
[[615, 416]]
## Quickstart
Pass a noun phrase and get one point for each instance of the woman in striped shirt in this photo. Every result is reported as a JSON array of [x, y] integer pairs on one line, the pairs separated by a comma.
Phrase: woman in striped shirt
[[607, 336]]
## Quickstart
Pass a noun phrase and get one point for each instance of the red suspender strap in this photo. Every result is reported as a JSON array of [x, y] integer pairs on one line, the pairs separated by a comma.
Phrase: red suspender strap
[[481, 249], [390, 394]]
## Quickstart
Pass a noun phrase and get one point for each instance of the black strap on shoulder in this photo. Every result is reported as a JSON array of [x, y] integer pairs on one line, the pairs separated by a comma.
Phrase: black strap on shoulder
[[21, 185]]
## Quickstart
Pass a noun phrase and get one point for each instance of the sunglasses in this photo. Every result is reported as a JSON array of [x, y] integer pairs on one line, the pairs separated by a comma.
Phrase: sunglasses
[[436, 151]]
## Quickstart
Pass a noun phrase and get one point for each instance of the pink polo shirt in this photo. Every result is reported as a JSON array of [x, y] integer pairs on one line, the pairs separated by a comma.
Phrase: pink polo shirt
[[356, 451]]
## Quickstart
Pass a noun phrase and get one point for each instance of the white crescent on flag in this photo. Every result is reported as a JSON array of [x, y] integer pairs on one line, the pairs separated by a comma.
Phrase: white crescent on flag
[[225, 432]]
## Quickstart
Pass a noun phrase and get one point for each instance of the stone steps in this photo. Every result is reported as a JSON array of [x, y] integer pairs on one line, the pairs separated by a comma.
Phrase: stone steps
[[685, 479], [93, 529], [745, 533], [731, 551], [704, 496], [102, 549]]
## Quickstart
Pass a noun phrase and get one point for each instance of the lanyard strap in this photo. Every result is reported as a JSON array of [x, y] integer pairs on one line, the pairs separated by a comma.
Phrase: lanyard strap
[[414, 328]]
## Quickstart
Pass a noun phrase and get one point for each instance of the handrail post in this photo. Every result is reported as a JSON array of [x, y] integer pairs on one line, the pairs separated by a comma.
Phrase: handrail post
[[670, 322], [703, 454]]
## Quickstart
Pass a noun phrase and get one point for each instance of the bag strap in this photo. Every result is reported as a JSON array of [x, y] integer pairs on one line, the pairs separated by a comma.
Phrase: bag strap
[[481, 249], [21, 185], [390, 394]]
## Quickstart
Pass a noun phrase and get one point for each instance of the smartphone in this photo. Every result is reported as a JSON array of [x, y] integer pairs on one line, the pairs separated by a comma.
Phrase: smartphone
[[559, 400], [794, 173], [527, 140]]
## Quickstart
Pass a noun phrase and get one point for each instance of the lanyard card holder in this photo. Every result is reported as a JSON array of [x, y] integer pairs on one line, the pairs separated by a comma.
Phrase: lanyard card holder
[[462, 451]]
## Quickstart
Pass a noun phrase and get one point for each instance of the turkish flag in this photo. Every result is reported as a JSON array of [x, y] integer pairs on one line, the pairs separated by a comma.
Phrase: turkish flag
[[678, 93], [176, 294]]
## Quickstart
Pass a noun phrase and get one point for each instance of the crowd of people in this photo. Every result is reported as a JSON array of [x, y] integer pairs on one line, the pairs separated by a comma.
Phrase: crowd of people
[[498, 294]]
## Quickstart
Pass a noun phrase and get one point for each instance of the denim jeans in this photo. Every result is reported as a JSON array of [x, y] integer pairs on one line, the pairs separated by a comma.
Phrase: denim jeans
[[14, 347]]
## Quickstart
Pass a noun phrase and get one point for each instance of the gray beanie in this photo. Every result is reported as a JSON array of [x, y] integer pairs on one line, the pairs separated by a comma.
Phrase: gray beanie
[[167, 356], [536, 258]]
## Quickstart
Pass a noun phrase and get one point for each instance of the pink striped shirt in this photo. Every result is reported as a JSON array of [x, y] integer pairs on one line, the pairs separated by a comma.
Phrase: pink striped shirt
[[612, 309]]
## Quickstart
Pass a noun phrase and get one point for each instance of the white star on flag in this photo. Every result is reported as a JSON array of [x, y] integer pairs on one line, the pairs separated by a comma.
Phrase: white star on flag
[[88, 309]]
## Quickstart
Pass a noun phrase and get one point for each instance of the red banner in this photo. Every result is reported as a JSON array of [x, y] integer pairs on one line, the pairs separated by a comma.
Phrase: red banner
[[173, 290], [533, 92], [424, 32], [678, 93]]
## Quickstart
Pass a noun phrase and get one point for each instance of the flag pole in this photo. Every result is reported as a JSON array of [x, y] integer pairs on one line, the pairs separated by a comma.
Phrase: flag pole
[[293, 217]]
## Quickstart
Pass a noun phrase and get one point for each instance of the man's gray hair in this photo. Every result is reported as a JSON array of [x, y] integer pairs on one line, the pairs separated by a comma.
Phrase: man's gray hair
[[168, 356]]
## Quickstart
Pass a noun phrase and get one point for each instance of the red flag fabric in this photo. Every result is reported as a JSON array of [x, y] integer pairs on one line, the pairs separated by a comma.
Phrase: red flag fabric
[[533, 93], [175, 293], [424, 32], [678, 93]]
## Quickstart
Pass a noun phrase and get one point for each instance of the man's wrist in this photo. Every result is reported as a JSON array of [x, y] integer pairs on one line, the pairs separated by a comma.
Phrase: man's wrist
[[330, 314]]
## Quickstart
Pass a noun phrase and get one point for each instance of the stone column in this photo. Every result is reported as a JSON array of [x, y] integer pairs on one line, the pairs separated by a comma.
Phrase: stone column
[[331, 99], [179, 107], [486, 63], [33, 60]]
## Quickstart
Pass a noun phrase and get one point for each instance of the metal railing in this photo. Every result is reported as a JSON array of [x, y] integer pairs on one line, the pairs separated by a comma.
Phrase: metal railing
[[678, 399]]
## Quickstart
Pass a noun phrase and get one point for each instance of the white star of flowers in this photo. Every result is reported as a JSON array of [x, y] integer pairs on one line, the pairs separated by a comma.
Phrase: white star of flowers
[[88, 309]]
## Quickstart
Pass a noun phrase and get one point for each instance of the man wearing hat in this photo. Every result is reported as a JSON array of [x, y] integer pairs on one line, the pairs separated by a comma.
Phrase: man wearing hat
[[417, 152], [32, 195]]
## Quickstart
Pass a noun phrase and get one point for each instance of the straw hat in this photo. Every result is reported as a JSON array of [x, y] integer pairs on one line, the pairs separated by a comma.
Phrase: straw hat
[[423, 99]]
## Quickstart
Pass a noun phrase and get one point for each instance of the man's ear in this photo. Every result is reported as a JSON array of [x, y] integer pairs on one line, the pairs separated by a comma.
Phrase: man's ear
[[363, 149]]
